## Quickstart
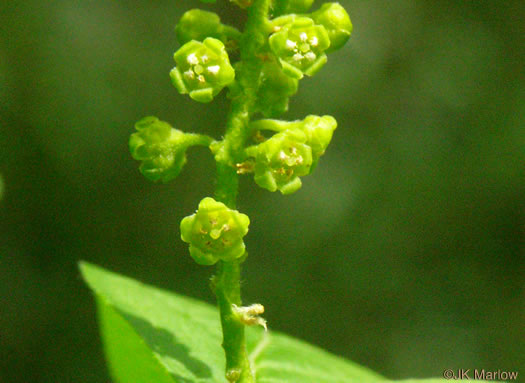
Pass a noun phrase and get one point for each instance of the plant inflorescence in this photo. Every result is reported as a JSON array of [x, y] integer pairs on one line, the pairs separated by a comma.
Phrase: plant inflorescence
[[280, 44]]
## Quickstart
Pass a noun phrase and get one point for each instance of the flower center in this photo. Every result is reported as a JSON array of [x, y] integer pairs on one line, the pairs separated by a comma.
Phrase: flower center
[[302, 49], [197, 68]]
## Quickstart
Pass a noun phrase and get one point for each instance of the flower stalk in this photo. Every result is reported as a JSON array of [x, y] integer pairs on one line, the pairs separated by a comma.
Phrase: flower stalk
[[227, 287]]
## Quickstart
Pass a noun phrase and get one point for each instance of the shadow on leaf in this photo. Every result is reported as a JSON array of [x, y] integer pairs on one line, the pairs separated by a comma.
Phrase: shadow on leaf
[[164, 343]]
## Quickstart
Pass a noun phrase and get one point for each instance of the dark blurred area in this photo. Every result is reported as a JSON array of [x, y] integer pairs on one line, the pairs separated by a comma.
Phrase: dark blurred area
[[404, 251]]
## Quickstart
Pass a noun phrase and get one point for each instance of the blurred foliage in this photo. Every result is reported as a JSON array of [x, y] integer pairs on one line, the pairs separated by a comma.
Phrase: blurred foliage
[[404, 251]]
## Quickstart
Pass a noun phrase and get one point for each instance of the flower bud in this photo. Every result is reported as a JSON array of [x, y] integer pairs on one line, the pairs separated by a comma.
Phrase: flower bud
[[336, 22], [161, 148], [197, 24], [319, 132], [300, 46], [298, 6], [203, 69], [215, 232], [274, 90], [281, 160]]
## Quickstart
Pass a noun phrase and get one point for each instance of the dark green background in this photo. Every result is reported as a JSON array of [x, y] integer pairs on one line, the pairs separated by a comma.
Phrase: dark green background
[[404, 251]]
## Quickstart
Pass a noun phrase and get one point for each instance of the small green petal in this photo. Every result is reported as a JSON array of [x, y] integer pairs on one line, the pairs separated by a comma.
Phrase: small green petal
[[202, 95], [291, 70], [292, 186], [176, 79], [205, 259], [316, 65], [137, 147], [145, 122], [235, 252], [266, 180], [281, 21], [185, 227], [182, 53], [214, 45]]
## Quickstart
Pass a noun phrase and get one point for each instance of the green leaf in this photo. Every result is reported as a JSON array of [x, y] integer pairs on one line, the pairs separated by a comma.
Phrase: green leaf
[[151, 335]]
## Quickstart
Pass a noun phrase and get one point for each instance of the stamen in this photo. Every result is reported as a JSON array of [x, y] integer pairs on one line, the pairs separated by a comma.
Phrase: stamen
[[192, 59], [310, 56], [290, 44], [214, 69]]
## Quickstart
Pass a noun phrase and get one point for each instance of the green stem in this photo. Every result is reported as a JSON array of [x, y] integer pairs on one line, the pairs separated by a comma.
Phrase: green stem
[[228, 293], [195, 139], [227, 280]]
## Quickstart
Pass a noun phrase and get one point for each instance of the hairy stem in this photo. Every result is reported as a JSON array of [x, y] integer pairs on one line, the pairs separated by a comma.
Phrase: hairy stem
[[227, 280]]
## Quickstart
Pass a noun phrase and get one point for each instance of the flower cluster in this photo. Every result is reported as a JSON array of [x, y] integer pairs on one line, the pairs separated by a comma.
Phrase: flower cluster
[[292, 44], [297, 46]]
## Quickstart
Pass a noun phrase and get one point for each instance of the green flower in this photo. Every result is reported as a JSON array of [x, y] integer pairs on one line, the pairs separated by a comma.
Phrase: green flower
[[298, 6], [215, 232], [281, 160], [299, 45], [336, 22], [274, 90], [318, 131], [197, 24], [161, 148], [203, 69]]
